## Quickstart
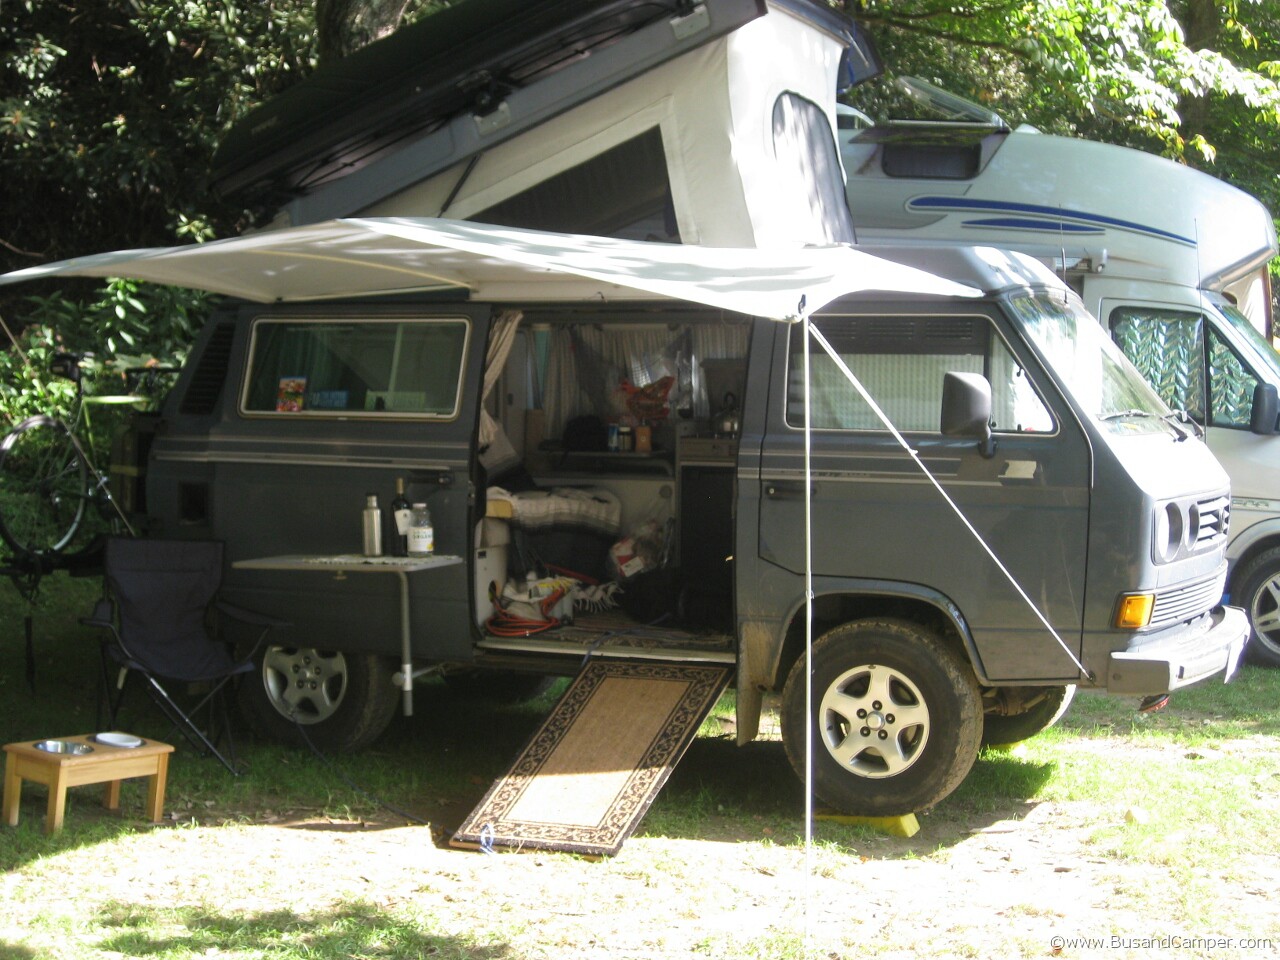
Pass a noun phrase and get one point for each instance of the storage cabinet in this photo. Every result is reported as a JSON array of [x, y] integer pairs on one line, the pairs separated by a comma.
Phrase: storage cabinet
[[705, 477]]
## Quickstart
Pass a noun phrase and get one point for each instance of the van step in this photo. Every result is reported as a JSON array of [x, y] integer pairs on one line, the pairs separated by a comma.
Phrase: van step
[[544, 644], [586, 778], [613, 634]]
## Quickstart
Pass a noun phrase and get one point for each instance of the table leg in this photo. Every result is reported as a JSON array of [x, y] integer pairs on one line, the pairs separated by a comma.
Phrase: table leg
[[12, 791], [155, 789], [57, 803], [406, 645], [111, 797]]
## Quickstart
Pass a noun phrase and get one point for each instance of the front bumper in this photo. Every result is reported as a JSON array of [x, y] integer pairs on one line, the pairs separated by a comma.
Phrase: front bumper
[[1163, 661]]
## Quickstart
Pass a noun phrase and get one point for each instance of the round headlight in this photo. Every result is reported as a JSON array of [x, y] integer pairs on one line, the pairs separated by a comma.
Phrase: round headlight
[[1170, 528]]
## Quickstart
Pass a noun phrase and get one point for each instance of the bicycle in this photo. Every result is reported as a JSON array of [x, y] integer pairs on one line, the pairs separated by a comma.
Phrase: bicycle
[[48, 480]]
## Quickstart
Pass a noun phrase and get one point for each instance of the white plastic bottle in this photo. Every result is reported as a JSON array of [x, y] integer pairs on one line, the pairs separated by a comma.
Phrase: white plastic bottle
[[422, 536]]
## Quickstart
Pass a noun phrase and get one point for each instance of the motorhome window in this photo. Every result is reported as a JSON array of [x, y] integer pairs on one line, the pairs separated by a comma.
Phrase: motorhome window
[[623, 192], [902, 361], [1089, 365], [802, 137], [371, 368], [1166, 348]]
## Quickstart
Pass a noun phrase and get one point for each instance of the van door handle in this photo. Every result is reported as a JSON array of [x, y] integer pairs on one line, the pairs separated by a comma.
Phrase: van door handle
[[1020, 471], [786, 489]]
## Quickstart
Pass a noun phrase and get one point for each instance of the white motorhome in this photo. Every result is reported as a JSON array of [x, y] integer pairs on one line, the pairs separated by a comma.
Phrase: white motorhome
[[1172, 261]]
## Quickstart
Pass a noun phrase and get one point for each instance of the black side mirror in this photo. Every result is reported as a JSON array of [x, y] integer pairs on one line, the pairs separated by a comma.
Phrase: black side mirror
[[966, 409], [1266, 409]]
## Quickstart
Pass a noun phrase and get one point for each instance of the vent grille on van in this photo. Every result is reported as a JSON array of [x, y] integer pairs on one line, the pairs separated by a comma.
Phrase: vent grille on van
[[1215, 517], [1187, 602], [210, 373]]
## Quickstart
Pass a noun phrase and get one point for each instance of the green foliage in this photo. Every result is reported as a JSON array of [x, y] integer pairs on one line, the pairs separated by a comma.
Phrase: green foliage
[[109, 115], [111, 112], [124, 325], [26, 385], [1115, 70]]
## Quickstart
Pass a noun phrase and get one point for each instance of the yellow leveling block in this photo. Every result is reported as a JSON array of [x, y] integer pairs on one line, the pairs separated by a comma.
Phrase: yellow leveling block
[[905, 826]]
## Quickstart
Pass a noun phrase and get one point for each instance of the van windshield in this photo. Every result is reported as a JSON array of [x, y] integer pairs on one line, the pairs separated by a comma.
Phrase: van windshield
[[1090, 366], [1259, 352]]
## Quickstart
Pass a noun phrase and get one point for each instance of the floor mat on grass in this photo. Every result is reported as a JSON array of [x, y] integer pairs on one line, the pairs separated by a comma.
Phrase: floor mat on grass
[[588, 775]]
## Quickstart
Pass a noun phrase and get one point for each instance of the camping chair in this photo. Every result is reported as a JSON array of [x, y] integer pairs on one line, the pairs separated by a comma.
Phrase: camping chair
[[158, 595]]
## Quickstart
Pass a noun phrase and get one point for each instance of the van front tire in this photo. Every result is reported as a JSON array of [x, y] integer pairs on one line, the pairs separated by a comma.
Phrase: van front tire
[[897, 718], [341, 701], [1256, 587]]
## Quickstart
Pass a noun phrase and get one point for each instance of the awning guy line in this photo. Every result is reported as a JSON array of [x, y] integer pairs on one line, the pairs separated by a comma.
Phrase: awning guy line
[[875, 407]]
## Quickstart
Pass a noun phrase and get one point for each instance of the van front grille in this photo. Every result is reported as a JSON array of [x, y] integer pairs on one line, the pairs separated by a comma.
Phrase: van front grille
[[1187, 602], [1215, 516]]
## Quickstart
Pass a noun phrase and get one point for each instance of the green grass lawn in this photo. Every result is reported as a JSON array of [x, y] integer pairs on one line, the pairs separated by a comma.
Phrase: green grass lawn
[[1174, 811]]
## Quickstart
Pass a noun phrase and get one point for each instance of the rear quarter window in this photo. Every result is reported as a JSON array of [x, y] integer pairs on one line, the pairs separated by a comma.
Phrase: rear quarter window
[[353, 367]]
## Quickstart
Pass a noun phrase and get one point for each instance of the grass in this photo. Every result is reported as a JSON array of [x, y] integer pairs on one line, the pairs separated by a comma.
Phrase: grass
[[1165, 819]]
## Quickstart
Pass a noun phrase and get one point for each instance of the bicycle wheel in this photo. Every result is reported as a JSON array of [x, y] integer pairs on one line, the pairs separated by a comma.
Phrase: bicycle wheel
[[43, 480]]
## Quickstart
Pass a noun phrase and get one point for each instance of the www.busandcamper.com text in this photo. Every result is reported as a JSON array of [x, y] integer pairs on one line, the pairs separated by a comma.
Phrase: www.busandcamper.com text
[[1167, 942]]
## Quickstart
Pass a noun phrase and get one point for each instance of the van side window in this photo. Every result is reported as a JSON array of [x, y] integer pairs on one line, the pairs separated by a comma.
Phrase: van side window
[[1167, 349], [354, 367], [623, 192], [902, 361]]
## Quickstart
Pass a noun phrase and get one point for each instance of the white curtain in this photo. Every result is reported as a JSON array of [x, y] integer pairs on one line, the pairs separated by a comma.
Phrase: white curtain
[[496, 452]]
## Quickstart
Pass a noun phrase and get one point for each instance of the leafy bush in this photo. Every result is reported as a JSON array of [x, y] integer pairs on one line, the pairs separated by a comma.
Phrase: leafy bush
[[123, 326]]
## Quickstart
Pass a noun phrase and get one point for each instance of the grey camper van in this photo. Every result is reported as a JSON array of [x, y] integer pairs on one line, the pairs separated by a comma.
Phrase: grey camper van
[[1105, 518], [706, 124]]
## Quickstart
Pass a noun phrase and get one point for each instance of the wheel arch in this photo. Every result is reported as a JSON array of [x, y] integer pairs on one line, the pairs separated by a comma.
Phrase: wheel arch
[[835, 604], [1257, 539]]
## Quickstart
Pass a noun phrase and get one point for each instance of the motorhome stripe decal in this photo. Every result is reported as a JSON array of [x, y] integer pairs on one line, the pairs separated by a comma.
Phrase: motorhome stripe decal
[[1026, 223], [1053, 215]]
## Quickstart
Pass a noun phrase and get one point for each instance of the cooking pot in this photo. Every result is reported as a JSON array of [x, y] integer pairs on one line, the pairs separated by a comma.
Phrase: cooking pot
[[728, 422]]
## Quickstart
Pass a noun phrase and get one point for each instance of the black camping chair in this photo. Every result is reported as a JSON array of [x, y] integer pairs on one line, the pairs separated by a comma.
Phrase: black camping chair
[[156, 610]]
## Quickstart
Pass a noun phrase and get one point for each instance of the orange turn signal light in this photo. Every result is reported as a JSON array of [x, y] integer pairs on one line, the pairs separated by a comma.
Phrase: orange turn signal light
[[1134, 611]]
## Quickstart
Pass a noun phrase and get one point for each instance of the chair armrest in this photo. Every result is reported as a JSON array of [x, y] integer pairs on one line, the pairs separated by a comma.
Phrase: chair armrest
[[103, 615], [250, 616]]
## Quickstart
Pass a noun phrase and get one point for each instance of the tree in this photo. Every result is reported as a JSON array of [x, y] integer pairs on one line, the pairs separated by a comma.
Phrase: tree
[[1120, 70], [344, 26], [109, 114]]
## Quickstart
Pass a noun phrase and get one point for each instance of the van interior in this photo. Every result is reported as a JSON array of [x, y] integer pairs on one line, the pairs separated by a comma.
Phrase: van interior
[[607, 455]]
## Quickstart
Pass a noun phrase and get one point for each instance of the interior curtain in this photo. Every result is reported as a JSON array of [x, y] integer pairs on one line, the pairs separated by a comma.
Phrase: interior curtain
[[496, 451]]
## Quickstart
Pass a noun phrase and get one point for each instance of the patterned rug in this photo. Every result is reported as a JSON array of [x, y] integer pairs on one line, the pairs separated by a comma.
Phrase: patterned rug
[[587, 777]]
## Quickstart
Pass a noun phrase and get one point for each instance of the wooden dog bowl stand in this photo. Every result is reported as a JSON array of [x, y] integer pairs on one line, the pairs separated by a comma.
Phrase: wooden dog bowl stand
[[105, 764]]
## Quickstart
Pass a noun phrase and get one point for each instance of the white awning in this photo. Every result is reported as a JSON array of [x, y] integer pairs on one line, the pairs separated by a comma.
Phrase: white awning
[[366, 257]]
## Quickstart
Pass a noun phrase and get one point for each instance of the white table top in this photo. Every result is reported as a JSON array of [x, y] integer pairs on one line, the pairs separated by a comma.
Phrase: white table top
[[347, 562]]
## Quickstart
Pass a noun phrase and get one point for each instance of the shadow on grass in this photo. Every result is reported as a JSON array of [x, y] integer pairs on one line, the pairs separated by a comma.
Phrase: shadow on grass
[[352, 930], [724, 792]]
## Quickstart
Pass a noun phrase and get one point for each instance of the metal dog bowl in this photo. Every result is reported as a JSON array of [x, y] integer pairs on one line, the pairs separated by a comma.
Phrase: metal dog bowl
[[63, 746]]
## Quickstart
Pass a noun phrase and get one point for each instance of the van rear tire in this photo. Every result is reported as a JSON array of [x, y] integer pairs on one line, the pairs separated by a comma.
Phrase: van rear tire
[[897, 718], [1003, 730], [339, 702]]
